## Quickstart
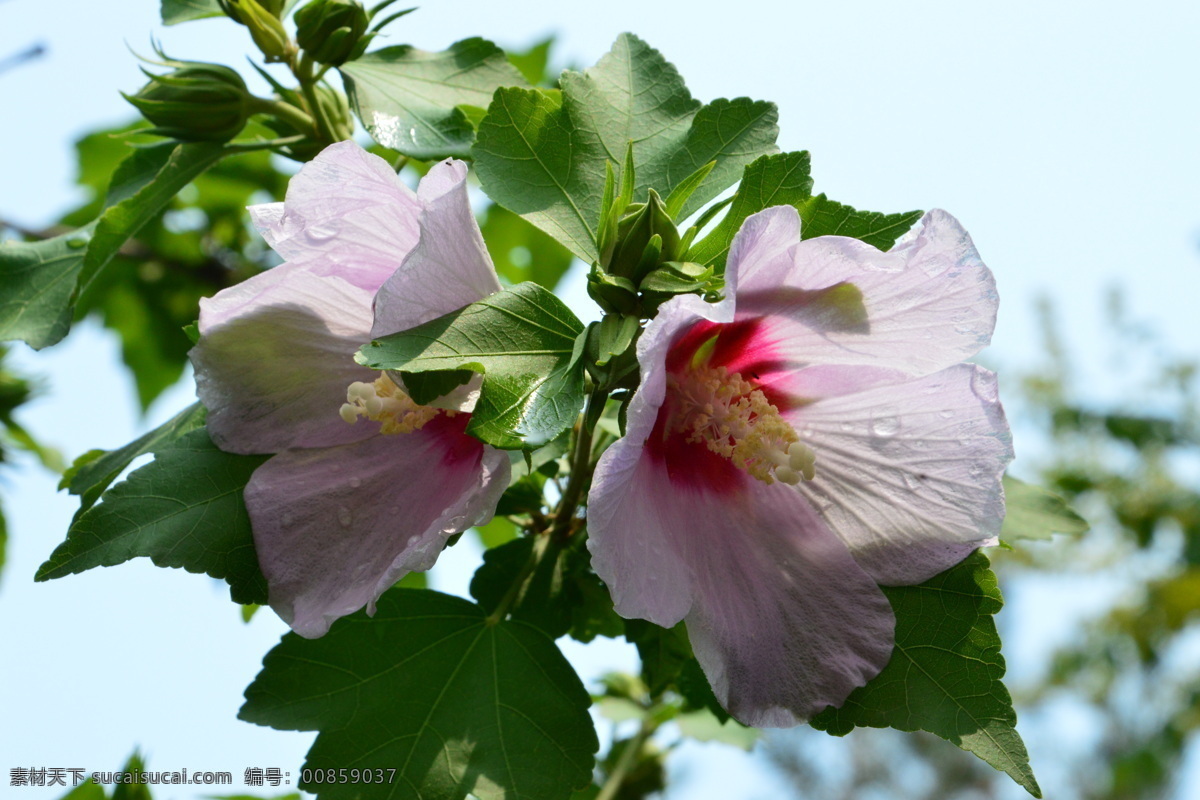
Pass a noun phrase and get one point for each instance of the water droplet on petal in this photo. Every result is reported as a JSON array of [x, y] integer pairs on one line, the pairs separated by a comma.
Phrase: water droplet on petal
[[345, 517], [320, 233], [355, 483], [288, 519], [885, 426], [983, 383]]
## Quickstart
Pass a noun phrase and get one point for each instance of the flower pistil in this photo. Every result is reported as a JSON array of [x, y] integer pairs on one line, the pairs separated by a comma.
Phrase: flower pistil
[[383, 401], [736, 421]]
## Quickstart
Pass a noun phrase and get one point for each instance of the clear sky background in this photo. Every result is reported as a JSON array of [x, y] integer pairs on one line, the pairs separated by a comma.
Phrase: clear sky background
[[1063, 135]]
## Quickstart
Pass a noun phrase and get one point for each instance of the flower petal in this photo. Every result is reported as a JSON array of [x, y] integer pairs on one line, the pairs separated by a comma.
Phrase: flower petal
[[347, 214], [924, 305], [450, 266], [275, 356], [780, 616], [908, 475], [336, 527], [629, 540]]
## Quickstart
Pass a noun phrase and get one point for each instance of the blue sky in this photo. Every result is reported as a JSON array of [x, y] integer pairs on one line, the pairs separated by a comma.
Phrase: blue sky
[[1063, 136]]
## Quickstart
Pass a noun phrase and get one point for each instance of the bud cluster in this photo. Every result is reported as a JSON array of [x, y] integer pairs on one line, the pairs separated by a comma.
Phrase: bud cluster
[[642, 254]]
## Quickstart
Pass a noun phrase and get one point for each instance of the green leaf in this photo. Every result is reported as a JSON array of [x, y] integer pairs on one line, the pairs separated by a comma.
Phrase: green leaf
[[40, 281], [824, 217], [521, 252], [177, 11], [533, 62], [542, 154], [407, 98], [635, 95], [184, 509], [697, 691], [783, 179], [37, 282], [542, 599], [663, 651], [1036, 513], [429, 688], [95, 470], [532, 159], [522, 340], [141, 188], [705, 726], [945, 671]]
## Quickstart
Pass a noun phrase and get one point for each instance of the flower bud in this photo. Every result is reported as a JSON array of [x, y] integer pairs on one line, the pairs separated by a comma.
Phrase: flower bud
[[196, 102], [261, 17], [332, 31], [646, 237], [614, 294]]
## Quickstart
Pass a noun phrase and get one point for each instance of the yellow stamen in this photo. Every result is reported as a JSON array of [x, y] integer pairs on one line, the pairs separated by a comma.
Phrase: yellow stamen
[[736, 421], [386, 403]]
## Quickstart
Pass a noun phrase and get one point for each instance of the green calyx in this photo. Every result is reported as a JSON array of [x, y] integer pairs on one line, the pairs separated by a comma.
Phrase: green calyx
[[333, 31], [195, 102], [262, 18]]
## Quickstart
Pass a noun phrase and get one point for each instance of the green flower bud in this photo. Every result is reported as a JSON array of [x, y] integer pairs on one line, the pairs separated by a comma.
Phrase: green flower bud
[[196, 102], [614, 294], [332, 31], [261, 17], [646, 237]]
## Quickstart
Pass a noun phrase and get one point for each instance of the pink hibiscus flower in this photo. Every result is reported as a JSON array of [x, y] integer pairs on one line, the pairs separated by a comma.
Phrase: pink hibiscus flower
[[809, 437], [348, 506]]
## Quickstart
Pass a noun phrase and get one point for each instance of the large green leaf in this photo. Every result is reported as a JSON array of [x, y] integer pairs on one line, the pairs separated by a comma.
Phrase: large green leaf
[[408, 98], [429, 687], [542, 154], [633, 94], [774, 180], [523, 341], [1036, 513], [945, 671], [184, 509], [177, 11], [824, 217], [95, 470], [37, 282]]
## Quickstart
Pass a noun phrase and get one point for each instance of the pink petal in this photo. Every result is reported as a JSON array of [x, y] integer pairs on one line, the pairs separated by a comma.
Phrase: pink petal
[[347, 214], [908, 475], [336, 527], [275, 357], [630, 546], [930, 302], [450, 266], [781, 617]]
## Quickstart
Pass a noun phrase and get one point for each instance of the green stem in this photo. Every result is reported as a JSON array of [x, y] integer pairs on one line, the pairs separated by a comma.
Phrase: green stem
[[625, 762], [308, 87], [581, 467], [287, 112], [514, 591]]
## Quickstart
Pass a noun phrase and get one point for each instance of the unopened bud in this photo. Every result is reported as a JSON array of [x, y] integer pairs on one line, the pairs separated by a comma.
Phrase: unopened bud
[[332, 31], [646, 237], [196, 102], [261, 17]]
